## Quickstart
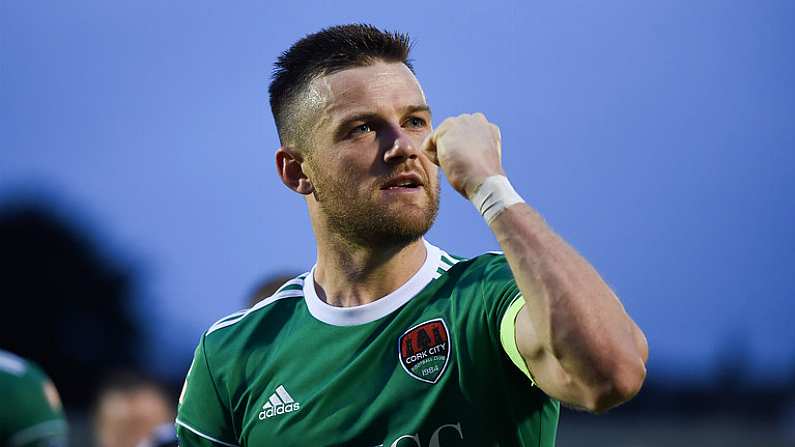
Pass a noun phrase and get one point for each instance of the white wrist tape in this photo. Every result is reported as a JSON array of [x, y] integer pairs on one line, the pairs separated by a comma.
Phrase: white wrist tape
[[493, 196]]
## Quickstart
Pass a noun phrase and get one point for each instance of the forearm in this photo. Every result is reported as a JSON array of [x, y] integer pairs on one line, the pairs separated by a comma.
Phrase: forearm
[[574, 317]]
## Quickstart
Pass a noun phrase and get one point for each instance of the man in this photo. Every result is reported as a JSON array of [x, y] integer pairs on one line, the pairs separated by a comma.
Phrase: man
[[31, 414], [388, 340], [132, 411]]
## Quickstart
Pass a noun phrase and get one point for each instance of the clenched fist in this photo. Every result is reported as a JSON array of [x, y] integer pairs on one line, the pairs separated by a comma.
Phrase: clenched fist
[[468, 149]]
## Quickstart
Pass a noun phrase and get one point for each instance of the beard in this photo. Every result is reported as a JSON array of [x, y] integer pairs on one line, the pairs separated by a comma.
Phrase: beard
[[369, 222]]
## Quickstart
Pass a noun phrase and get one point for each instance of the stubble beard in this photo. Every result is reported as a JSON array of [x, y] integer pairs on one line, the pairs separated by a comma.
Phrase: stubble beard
[[371, 224]]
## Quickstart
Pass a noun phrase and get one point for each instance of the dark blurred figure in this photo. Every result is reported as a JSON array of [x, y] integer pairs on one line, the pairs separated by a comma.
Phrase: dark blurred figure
[[30, 408], [133, 411], [65, 306], [269, 286]]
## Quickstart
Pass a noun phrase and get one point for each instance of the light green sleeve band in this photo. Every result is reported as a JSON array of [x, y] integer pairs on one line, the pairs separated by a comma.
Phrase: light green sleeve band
[[508, 335]]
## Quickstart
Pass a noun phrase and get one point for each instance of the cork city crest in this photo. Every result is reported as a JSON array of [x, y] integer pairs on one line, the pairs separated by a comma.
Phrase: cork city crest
[[424, 350]]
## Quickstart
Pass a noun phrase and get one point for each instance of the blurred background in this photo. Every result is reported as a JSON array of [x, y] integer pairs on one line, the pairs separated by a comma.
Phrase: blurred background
[[139, 202]]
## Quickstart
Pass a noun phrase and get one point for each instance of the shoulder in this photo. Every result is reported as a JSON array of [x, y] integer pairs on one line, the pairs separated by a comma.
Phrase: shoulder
[[241, 322], [19, 370], [481, 276], [486, 277], [475, 268], [11, 364], [34, 407]]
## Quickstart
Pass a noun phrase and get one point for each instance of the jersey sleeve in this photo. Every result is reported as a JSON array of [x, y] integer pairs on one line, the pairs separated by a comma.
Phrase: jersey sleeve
[[31, 414], [203, 414], [503, 301], [188, 438]]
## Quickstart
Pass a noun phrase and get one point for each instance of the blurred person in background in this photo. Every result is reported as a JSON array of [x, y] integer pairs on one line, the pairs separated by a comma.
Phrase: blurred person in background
[[487, 347], [31, 414], [132, 410]]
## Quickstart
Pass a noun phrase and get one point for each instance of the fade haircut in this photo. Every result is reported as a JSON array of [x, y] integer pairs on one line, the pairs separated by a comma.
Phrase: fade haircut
[[320, 54]]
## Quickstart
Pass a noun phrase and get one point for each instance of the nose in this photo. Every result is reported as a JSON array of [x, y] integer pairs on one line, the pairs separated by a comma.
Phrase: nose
[[402, 148]]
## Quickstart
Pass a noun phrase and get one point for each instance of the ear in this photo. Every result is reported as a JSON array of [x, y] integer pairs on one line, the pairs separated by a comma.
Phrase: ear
[[288, 166]]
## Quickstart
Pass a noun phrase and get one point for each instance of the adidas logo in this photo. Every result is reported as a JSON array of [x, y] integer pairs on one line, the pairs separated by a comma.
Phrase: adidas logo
[[280, 402]]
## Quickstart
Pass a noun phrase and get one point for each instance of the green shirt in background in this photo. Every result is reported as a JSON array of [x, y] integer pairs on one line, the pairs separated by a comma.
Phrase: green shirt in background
[[31, 413], [422, 367]]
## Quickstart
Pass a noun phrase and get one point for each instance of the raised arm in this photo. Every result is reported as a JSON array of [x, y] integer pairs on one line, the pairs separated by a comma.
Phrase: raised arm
[[579, 344]]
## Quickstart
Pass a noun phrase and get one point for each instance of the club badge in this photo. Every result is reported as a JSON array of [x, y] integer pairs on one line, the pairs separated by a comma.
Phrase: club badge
[[424, 350]]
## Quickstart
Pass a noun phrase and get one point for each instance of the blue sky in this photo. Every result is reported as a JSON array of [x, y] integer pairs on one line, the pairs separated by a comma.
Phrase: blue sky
[[656, 137]]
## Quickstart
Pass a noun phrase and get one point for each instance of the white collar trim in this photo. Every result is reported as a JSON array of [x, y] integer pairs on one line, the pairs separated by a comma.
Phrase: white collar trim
[[366, 313]]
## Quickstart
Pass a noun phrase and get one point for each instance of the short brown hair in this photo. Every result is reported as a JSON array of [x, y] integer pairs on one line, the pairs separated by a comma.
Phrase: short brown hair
[[325, 52]]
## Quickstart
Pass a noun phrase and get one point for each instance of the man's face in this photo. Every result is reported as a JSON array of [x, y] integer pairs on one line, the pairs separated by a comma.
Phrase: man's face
[[371, 180]]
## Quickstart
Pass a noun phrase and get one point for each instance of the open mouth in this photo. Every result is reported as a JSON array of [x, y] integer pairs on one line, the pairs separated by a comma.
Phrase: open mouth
[[403, 182]]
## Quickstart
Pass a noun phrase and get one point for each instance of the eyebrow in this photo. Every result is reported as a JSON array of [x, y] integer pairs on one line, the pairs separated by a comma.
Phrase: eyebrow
[[417, 108], [369, 116]]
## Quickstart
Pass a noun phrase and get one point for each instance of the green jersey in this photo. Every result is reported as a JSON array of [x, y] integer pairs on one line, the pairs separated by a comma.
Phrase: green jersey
[[30, 414], [424, 366]]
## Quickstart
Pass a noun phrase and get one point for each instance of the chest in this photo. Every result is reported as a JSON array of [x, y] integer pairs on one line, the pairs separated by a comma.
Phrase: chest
[[364, 387]]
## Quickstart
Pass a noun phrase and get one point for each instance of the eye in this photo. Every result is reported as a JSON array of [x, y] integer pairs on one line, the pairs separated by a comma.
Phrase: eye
[[415, 122], [360, 129]]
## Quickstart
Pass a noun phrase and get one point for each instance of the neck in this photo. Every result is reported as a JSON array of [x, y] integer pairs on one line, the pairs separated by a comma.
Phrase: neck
[[351, 275]]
